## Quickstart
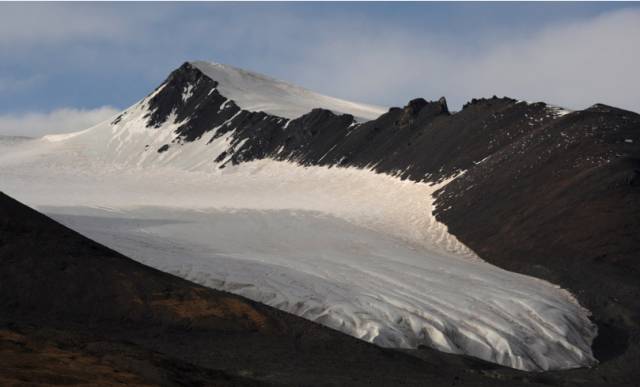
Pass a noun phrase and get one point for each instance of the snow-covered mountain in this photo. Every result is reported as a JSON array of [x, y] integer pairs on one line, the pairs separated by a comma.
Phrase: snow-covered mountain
[[231, 179], [257, 92]]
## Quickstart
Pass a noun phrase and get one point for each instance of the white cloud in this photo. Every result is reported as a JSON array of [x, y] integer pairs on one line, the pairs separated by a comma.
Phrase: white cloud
[[576, 64], [34, 124], [573, 64]]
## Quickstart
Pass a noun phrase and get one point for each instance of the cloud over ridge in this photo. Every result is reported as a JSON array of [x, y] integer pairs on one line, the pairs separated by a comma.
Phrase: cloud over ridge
[[87, 55], [35, 124]]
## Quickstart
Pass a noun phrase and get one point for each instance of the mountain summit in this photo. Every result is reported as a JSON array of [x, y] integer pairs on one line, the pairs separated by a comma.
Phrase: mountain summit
[[256, 92]]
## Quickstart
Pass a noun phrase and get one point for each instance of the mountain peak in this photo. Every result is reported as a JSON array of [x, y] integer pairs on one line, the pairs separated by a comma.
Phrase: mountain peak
[[257, 92]]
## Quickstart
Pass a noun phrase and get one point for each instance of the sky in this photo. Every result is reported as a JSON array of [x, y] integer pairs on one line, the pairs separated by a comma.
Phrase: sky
[[67, 66]]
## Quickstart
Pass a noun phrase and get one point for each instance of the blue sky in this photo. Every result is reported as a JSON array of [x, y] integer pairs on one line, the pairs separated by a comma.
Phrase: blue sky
[[66, 65]]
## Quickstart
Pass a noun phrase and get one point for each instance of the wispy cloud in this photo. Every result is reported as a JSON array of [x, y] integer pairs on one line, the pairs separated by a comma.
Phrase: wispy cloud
[[57, 121], [574, 64], [41, 24]]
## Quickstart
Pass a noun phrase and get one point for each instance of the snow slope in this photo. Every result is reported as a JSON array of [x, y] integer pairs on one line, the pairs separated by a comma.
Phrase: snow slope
[[257, 92], [352, 249], [349, 248], [362, 282]]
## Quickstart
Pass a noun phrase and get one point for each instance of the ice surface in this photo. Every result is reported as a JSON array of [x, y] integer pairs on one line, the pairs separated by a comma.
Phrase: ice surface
[[353, 279], [358, 251], [257, 92]]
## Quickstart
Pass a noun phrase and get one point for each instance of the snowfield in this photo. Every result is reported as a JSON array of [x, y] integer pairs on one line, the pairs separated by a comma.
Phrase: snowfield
[[257, 92], [351, 249]]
